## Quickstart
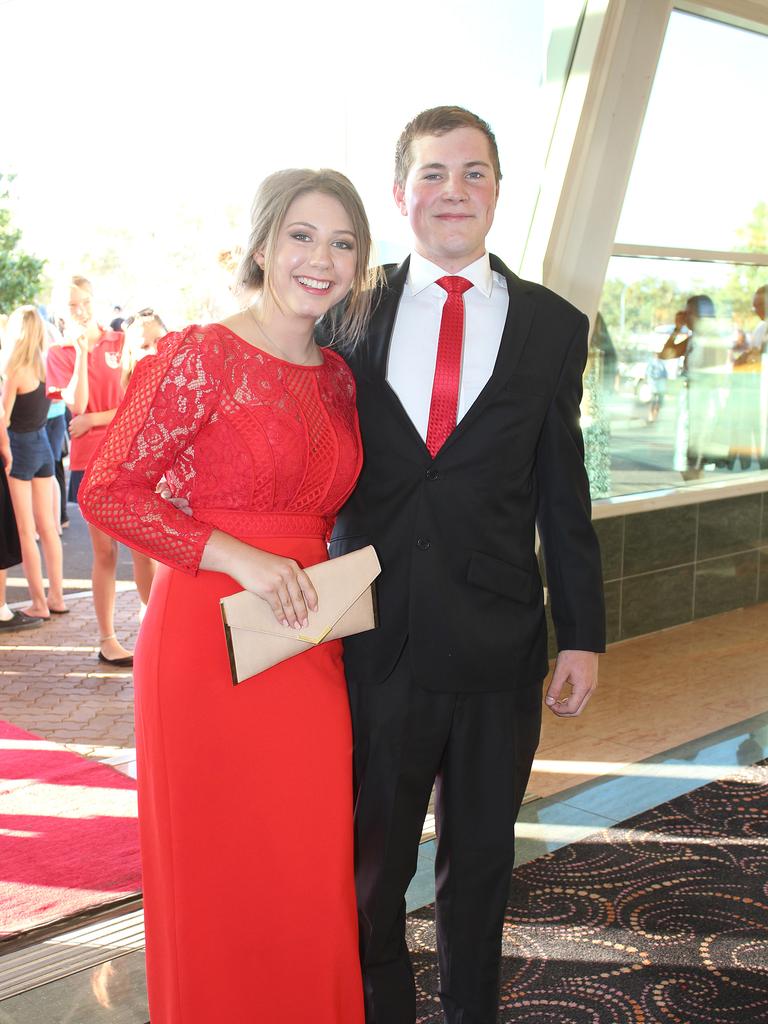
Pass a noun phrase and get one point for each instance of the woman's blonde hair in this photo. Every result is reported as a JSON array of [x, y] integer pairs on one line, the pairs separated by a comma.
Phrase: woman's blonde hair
[[25, 340], [270, 206], [78, 281]]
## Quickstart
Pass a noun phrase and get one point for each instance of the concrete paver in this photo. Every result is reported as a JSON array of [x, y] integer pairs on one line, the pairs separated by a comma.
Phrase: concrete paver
[[52, 684]]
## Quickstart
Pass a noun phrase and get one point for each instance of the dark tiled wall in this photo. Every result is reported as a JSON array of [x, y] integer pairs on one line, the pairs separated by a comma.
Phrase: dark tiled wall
[[670, 566]]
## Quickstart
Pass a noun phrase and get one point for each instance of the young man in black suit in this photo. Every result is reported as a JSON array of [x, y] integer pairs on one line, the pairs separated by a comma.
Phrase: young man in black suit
[[469, 385]]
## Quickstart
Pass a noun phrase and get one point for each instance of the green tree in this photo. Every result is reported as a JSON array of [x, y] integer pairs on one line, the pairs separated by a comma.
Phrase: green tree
[[632, 310], [744, 282], [754, 236], [21, 275]]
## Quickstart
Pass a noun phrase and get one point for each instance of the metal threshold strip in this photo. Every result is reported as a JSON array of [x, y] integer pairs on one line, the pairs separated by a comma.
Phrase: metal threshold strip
[[59, 955]]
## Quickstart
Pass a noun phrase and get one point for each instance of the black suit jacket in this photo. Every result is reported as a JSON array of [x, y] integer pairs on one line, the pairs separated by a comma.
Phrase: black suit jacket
[[455, 534]]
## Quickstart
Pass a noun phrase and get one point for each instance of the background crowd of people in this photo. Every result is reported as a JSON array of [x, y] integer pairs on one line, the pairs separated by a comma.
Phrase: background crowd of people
[[63, 375]]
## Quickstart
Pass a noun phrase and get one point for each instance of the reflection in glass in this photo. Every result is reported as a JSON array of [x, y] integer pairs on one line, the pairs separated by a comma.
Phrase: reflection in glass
[[676, 388]]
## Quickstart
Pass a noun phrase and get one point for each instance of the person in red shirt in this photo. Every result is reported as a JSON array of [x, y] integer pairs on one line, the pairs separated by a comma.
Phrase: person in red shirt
[[88, 374]]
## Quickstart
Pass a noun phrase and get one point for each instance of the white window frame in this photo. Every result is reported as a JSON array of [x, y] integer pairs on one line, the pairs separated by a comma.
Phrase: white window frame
[[669, 252], [573, 233]]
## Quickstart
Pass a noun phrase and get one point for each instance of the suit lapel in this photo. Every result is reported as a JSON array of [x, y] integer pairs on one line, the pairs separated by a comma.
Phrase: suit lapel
[[377, 346], [517, 327], [379, 336]]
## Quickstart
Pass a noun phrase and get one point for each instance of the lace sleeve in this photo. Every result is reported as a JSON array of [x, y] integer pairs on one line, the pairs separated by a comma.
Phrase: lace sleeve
[[170, 397]]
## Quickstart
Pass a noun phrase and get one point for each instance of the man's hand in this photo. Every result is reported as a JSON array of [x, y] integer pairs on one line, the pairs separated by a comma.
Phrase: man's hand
[[80, 425], [578, 669], [165, 493]]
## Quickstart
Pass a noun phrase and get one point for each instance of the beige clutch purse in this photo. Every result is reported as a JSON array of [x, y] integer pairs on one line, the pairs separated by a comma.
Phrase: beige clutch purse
[[346, 605]]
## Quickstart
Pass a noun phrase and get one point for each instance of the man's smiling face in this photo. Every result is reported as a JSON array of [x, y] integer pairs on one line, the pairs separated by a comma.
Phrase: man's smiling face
[[449, 196]]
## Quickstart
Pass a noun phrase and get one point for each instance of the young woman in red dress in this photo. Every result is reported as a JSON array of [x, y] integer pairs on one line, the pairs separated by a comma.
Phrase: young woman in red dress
[[245, 793]]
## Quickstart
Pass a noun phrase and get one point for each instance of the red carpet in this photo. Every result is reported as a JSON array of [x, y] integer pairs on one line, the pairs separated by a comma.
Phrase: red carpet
[[68, 833]]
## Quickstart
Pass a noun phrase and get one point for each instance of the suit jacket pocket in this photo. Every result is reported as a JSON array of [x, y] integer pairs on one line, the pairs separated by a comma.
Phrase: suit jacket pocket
[[502, 577]]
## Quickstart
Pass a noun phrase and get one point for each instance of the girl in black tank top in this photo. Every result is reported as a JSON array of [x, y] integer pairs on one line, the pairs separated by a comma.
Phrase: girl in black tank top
[[25, 410], [30, 410]]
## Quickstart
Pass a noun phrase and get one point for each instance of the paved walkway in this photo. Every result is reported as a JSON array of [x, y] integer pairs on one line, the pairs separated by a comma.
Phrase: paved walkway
[[52, 684]]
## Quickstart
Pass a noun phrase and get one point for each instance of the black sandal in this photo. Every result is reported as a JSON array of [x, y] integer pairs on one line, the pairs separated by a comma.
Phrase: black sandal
[[126, 661]]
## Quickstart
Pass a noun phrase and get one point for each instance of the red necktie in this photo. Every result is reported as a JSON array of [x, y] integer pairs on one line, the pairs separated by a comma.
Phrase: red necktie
[[445, 387]]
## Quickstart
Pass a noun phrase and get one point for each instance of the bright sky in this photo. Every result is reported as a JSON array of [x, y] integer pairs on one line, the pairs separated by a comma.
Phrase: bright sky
[[702, 163], [144, 126], [158, 118]]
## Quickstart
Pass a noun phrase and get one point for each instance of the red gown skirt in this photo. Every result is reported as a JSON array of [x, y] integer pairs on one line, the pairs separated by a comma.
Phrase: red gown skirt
[[245, 814]]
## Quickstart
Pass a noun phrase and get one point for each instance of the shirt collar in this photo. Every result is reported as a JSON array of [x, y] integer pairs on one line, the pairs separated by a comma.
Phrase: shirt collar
[[422, 273]]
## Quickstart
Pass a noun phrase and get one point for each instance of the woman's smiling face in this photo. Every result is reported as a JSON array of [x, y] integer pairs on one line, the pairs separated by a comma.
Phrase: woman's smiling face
[[315, 257]]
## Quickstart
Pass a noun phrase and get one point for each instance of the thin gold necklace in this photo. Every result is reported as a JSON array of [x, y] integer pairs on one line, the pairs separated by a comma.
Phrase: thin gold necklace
[[283, 353]]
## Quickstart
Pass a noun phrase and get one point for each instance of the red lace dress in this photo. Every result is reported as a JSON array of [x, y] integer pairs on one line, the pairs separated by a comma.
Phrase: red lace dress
[[245, 793]]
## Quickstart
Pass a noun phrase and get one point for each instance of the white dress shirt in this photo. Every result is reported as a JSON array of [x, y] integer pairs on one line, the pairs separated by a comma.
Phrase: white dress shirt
[[413, 350]]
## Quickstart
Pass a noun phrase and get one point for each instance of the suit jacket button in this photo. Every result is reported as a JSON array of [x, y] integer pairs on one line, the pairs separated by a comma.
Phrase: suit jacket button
[[423, 543], [432, 474]]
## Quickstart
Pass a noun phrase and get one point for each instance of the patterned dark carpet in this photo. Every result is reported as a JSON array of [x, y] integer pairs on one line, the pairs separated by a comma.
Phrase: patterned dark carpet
[[660, 920]]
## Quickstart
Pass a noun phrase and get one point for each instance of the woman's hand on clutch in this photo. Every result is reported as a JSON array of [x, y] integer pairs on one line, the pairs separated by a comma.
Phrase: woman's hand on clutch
[[279, 581]]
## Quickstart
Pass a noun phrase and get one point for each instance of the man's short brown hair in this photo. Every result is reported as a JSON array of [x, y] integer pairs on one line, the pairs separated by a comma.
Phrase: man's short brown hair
[[440, 121]]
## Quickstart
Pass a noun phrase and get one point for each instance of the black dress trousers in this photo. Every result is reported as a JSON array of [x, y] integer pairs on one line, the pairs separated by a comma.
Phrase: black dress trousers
[[479, 748]]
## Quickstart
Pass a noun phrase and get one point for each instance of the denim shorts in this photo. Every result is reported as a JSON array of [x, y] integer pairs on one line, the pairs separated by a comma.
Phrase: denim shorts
[[32, 455]]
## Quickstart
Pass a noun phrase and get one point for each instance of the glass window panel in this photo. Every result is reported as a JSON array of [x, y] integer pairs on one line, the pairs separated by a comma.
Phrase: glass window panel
[[700, 168], [663, 411]]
